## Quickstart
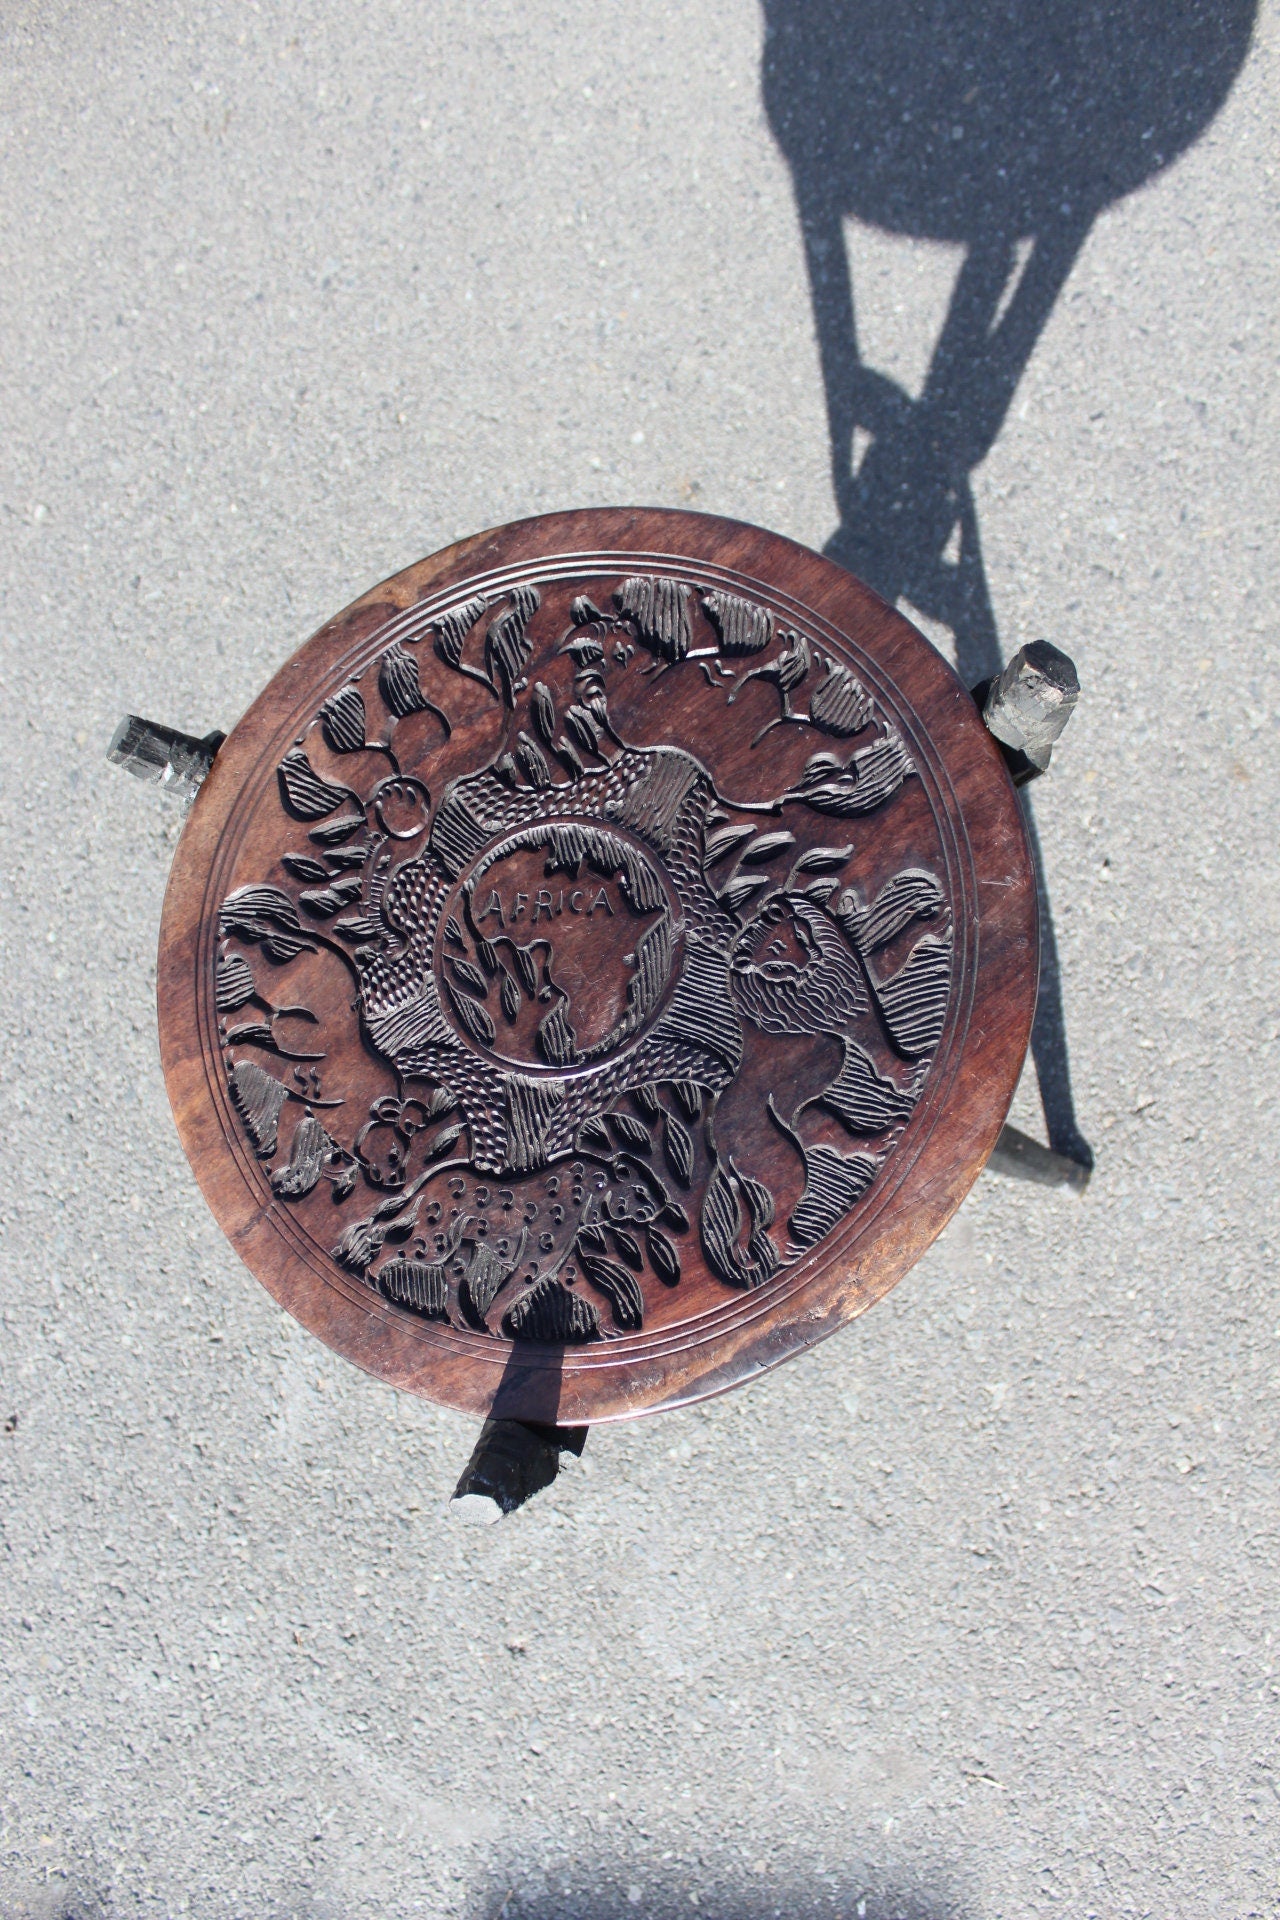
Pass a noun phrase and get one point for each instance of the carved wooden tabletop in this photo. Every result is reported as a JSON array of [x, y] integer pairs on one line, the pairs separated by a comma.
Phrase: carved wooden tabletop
[[598, 965]]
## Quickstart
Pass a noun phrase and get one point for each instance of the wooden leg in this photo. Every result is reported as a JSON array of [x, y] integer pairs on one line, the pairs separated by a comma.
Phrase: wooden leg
[[512, 1461], [175, 762], [1027, 706]]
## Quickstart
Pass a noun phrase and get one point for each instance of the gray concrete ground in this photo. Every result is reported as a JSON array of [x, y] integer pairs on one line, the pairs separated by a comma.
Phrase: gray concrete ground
[[970, 1613]]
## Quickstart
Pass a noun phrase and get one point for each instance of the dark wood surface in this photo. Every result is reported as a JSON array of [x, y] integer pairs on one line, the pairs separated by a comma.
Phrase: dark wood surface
[[597, 965]]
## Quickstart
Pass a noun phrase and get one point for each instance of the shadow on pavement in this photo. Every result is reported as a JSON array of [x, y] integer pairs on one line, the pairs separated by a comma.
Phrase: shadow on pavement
[[649, 1897], [1005, 126]]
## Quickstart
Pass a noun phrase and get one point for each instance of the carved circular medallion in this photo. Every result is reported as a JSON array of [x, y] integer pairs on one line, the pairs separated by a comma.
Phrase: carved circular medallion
[[597, 965], [511, 924]]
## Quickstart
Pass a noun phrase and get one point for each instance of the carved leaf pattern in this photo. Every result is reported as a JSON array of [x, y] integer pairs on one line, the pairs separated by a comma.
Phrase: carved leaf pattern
[[720, 1225], [822, 860], [569, 758], [741, 889], [630, 1131], [678, 1147], [620, 1288], [510, 994], [532, 761], [258, 1097], [324, 902], [840, 703], [872, 776], [401, 688], [473, 1017], [766, 846], [550, 1314], [556, 1037], [740, 626], [544, 712], [736, 1211], [255, 1033], [303, 867], [306, 793], [720, 845], [469, 977], [347, 857], [582, 725], [914, 1001], [337, 830], [833, 1181], [417, 1284], [911, 895], [311, 1147], [446, 1138], [233, 985], [254, 911], [593, 1137], [358, 928], [483, 1281], [866, 1100], [452, 628], [584, 651], [628, 1246], [663, 1257], [342, 720], [506, 644], [360, 1245], [268, 915], [660, 609]]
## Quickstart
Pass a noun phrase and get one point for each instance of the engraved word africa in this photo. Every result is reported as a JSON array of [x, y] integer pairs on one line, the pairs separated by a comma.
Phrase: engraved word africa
[[566, 949]]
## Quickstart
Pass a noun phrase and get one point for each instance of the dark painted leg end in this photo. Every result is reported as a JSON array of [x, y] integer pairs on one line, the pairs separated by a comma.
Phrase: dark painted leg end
[[175, 762], [511, 1462], [1027, 706]]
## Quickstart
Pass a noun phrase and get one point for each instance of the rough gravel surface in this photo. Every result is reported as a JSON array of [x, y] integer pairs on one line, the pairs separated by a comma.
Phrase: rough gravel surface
[[971, 1612]]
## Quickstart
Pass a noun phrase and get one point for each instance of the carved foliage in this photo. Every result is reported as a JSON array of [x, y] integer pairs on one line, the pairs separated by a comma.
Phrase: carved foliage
[[533, 1175]]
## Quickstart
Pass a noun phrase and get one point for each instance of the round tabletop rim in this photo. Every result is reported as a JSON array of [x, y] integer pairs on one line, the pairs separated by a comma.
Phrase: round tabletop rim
[[631, 1376]]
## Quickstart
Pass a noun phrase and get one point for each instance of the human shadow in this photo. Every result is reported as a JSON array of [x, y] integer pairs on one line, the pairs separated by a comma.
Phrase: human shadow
[[1004, 126]]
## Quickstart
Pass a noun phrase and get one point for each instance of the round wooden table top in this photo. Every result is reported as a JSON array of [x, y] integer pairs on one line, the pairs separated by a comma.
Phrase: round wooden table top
[[597, 965]]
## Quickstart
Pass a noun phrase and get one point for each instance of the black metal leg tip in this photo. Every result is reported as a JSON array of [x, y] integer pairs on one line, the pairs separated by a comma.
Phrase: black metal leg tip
[[512, 1461], [175, 762]]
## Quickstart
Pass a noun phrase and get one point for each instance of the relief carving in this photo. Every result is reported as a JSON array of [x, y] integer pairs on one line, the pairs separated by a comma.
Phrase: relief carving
[[565, 954]]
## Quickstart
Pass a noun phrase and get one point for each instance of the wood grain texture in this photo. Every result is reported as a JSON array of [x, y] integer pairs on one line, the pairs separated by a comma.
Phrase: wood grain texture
[[598, 965]]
